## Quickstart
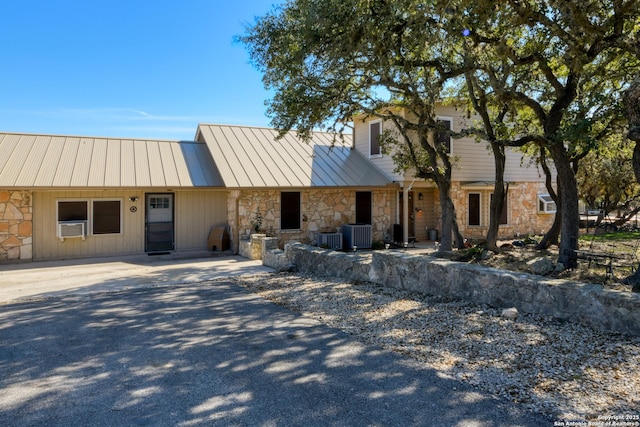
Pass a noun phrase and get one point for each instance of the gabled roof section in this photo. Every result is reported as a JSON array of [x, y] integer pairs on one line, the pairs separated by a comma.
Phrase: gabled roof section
[[251, 157], [48, 161]]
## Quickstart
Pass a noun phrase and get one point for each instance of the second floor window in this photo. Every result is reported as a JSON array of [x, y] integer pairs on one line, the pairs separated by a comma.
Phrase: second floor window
[[375, 130]]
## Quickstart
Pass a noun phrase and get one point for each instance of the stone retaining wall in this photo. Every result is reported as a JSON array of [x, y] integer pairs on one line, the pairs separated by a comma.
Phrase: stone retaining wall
[[603, 309], [16, 225]]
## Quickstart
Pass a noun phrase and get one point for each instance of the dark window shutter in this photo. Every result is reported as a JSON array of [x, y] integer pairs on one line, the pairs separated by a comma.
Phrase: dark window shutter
[[474, 209]]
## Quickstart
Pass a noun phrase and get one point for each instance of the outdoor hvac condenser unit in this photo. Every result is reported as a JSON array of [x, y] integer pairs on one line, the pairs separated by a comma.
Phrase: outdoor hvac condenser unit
[[329, 240], [72, 229], [356, 235]]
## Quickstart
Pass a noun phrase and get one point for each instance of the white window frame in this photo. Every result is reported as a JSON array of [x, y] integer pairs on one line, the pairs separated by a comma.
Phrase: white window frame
[[544, 203], [372, 156], [90, 210], [450, 120]]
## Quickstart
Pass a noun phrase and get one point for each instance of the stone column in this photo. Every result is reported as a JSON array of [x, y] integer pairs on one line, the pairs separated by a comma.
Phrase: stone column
[[16, 226]]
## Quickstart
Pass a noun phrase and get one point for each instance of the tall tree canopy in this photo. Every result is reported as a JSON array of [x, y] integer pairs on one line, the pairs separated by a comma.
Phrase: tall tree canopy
[[544, 72]]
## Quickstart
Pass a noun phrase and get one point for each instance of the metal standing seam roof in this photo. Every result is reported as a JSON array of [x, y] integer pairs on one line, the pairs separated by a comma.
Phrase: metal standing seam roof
[[251, 157], [48, 161]]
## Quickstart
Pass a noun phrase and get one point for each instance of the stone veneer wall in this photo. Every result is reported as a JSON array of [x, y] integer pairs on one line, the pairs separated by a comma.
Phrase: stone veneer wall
[[603, 309], [523, 216], [16, 226], [323, 210]]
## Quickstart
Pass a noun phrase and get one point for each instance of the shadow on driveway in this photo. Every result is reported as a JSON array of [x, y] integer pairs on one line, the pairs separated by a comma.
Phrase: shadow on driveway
[[59, 278], [213, 354]]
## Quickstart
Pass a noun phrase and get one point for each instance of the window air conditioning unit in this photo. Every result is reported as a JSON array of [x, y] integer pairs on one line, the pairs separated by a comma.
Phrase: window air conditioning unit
[[546, 204], [71, 229]]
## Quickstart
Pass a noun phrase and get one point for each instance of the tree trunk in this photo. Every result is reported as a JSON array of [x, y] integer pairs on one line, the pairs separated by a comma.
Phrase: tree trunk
[[457, 236], [499, 195], [569, 216], [551, 236], [631, 100], [632, 105], [446, 240]]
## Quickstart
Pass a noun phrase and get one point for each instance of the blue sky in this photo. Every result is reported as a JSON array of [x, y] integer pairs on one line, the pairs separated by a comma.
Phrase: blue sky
[[127, 68]]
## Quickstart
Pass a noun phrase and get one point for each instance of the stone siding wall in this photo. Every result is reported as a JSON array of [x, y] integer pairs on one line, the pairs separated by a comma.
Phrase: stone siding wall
[[522, 216], [16, 225], [322, 211], [602, 309]]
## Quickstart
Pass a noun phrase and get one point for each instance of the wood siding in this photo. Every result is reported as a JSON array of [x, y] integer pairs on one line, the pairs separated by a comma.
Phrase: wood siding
[[361, 144], [474, 161], [195, 213]]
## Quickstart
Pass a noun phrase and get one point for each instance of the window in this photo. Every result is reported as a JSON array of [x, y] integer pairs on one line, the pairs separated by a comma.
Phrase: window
[[442, 136], [106, 217], [375, 130], [290, 210], [504, 217], [101, 216], [159, 202], [73, 210], [474, 209], [363, 207], [546, 204]]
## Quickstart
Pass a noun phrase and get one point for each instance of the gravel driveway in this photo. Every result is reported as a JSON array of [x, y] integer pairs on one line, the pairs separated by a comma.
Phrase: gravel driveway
[[214, 354]]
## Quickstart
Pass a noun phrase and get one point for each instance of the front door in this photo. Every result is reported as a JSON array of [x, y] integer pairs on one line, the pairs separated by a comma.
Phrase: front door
[[411, 225], [159, 222]]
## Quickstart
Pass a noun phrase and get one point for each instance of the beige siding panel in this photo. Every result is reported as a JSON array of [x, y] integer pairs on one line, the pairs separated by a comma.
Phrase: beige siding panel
[[98, 164], [195, 213], [521, 170], [47, 172], [80, 176], [385, 162], [143, 177], [112, 164], [474, 161], [128, 164], [47, 246], [65, 168]]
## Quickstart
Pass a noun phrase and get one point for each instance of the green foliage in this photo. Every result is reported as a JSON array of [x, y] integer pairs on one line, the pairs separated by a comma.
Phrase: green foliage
[[377, 245], [612, 236], [541, 73], [256, 222], [606, 179]]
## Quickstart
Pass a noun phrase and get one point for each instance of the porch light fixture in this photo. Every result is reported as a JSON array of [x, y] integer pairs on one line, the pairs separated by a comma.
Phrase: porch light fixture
[[133, 198]]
